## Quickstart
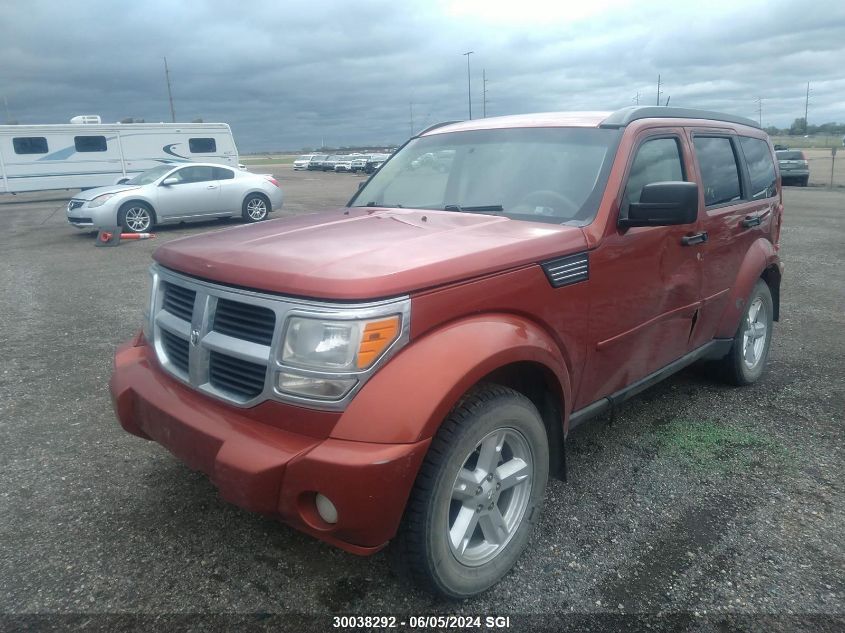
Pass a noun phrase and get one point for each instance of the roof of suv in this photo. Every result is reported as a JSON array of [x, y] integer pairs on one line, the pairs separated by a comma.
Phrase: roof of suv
[[617, 119]]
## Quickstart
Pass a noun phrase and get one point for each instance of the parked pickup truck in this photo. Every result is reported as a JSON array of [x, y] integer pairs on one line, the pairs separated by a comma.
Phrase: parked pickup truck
[[408, 368]]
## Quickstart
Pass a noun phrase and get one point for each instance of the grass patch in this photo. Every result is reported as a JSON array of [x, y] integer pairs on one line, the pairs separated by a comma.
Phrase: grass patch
[[712, 445]]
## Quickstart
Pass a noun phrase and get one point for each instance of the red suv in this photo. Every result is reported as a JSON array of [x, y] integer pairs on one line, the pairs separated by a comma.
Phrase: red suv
[[408, 367]]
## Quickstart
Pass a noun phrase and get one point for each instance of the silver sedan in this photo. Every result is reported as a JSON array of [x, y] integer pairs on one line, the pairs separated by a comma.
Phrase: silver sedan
[[176, 193]]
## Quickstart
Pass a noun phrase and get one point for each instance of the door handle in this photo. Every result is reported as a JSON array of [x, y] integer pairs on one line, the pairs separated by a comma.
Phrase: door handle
[[211, 187], [697, 238], [751, 220]]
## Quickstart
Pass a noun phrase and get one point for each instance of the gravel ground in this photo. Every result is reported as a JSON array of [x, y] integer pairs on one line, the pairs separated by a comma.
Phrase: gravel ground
[[698, 502]]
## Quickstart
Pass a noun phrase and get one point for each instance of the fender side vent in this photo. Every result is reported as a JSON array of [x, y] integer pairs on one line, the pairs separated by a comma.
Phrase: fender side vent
[[567, 270]]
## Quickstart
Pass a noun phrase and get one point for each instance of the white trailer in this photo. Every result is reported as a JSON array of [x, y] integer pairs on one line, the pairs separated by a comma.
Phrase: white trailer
[[80, 156]]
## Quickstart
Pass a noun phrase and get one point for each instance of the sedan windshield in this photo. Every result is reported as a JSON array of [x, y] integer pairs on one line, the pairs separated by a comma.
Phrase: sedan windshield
[[540, 174], [149, 176]]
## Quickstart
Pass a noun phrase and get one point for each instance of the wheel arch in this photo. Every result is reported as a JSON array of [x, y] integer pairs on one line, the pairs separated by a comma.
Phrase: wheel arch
[[409, 398], [258, 192], [760, 262]]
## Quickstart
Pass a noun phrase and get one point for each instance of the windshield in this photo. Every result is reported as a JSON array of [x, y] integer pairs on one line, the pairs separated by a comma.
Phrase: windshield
[[149, 176], [306, 157], [541, 174]]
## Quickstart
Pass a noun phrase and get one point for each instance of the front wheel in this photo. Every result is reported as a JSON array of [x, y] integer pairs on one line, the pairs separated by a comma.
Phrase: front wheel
[[746, 361], [477, 496], [255, 208], [135, 217]]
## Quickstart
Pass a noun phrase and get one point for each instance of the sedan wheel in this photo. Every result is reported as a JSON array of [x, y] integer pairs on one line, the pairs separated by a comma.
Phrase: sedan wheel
[[255, 208], [135, 217]]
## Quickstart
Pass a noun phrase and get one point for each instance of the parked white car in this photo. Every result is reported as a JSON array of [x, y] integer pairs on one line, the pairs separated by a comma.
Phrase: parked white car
[[344, 163], [195, 191], [303, 161]]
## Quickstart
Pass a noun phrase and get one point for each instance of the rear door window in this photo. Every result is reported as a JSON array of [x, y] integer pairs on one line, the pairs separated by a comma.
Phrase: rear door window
[[657, 160], [719, 170], [761, 167], [30, 145], [202, 145]]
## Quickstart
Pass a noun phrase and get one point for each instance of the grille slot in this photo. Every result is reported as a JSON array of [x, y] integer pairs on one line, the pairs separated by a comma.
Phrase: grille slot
[[176, 349], [567, 270], [179, 301], [239, 377], [244, 321]]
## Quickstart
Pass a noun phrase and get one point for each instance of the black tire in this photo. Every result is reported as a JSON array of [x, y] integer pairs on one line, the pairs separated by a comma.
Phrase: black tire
[[733, 368], [424, 550], [255, 208], [805, 181], [136, 217]]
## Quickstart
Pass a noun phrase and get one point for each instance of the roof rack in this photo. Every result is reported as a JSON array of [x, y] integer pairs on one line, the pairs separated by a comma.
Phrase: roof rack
[[435, 126], [623, 117]]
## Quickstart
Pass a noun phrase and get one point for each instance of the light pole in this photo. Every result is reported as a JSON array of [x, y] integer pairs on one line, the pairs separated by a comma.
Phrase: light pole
[[469, 85]]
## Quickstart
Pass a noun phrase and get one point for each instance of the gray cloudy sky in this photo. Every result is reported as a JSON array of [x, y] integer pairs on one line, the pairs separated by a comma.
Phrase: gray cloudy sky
[[288, 75]]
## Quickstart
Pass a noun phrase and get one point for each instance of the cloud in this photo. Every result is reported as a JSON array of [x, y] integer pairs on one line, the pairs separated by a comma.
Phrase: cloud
[[288, 76]]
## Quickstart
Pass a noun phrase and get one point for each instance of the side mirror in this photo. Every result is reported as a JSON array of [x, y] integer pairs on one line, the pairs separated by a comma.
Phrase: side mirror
[[663, 204], [122, 181], [170, 180]]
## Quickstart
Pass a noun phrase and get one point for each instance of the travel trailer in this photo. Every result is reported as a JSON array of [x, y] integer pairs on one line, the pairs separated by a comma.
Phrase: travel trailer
[[85, 155]]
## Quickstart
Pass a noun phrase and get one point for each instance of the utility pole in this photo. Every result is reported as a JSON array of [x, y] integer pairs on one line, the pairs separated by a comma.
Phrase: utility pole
[[469, 86], [760, 111], [658, 89], [667, 101], [637, 98], [484, 94], [806, 108], [169, 92], [411, 120], [6, 104]]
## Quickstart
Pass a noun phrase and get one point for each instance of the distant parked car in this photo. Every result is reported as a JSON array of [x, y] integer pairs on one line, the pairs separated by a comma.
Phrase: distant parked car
[[345, 162], [331, 161], [316, 162], [302, 162], [197, 191], [793, 167], [360, 163]]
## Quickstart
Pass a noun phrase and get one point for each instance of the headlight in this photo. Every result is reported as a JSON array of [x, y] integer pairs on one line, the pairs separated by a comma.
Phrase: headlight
[[338, 346], [100, 200]]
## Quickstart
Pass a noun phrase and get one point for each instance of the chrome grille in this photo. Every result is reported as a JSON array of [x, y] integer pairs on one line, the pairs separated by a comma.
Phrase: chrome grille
[[224, 341], [237, 376], [179, 301], [242, 320], [176, 349], [74, 204]]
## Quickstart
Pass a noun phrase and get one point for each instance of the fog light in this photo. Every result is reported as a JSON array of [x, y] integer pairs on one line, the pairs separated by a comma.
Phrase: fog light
[[326, 509]]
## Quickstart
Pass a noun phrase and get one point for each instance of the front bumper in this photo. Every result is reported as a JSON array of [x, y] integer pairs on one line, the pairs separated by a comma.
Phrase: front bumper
[[264, 468], [97, 218]]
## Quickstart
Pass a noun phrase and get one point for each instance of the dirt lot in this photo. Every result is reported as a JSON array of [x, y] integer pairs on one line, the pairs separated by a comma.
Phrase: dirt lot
[[699, 500]]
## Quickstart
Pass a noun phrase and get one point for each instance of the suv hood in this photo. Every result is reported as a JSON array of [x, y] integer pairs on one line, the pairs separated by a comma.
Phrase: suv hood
[[366, 253], [90, 194]]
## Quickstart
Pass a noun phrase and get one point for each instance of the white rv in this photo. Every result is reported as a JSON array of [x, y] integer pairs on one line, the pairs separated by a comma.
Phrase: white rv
[[84, 155]]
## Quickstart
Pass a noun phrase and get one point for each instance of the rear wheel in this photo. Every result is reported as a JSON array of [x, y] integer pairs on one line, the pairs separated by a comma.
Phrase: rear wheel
[[477, 496], [135, 217], [805, 181], [255, 208], [746, 361]]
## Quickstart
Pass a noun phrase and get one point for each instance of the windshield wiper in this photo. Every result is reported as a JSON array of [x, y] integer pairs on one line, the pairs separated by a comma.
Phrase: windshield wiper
[[482, 208], [387, 206]]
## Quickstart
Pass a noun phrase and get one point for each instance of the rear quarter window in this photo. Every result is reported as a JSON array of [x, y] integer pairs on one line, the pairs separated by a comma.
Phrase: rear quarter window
[[761, 167], [221, 173], [719, 170]]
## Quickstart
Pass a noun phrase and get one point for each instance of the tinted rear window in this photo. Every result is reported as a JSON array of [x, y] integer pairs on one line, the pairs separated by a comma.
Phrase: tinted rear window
[[719, 170], [30, 145], [782, 155], [761, 167], [221, 173], [202, 145]]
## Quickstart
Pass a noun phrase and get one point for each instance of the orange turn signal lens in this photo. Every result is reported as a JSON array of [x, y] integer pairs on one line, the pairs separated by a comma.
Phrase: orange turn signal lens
[[377, 337]]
